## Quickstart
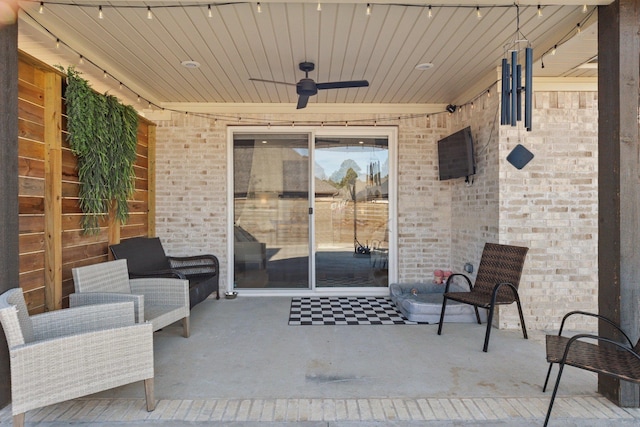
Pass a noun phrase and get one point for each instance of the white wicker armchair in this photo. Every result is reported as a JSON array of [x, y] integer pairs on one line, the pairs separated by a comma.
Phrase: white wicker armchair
[[65, 354], [161, 301]]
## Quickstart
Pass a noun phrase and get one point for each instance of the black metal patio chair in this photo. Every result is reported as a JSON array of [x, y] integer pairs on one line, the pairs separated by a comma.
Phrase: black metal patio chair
[[496, 283], [619, 359]]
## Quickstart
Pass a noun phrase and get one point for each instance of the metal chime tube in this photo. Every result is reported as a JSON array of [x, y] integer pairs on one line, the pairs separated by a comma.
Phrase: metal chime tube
[[514, 87], [504, 108], [528, 88], [519, 91]]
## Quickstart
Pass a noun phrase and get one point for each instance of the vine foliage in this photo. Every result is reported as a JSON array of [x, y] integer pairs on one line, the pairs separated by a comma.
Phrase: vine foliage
[[103, 136]]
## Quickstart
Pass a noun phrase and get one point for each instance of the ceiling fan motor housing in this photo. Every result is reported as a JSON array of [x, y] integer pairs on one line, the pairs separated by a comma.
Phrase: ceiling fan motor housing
[[306, 87]]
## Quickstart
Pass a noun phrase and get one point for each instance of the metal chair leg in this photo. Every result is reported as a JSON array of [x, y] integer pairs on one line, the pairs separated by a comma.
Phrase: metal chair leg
[[524, 328], [488, 333], [546, 380], [444, 306], [553, 396], [477, 315]]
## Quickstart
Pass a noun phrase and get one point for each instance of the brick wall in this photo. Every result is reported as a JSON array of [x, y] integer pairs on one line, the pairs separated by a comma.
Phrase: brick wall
[[550, 206]]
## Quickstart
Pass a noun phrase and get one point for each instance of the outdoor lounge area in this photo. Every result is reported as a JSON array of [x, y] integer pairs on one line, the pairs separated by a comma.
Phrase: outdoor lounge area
[[293, 195], [401, 375]]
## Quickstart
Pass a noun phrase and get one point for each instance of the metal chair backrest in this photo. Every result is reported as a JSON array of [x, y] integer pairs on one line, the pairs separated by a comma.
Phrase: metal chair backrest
[[500, 264]]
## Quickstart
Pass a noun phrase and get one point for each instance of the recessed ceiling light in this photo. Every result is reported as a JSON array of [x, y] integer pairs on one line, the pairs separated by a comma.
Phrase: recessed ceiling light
[[190, 64], [425, 66]]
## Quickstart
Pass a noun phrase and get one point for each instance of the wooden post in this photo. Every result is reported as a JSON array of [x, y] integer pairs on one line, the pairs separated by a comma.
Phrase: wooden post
[[151, 173], [53, 191], [8, 177], [619, 180]]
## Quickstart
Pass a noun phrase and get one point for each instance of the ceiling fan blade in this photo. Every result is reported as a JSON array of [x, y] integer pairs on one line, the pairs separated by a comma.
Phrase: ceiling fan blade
[[342, 85], [271, 81], [302, 101]]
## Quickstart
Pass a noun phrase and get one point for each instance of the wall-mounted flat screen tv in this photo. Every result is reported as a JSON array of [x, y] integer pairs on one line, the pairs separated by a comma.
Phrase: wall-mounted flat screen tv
[[455, 155]]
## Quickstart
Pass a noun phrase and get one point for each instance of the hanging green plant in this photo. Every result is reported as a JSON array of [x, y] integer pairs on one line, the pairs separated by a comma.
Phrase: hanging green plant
[[103, 135]]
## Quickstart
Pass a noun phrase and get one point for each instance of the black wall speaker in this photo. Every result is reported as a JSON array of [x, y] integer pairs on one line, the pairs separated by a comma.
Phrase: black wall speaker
[[519, 156]]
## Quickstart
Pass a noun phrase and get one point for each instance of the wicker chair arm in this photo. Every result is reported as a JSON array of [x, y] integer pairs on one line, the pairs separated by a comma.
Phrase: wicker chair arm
[[598, 316], [93, 298], [496, 288], [162, 291], [598, 338], [446, 288], [60, 323], [199, 265], [93, 361], [171, 274]]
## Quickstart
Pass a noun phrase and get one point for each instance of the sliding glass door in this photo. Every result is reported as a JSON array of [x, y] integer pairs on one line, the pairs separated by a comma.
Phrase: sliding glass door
[[351, 212], [271, 210], [311, 210]]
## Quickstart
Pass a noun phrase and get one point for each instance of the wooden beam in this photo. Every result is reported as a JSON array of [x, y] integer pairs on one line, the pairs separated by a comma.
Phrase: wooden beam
[[151, 171], [8, 178], [619, 180], [53, 191]]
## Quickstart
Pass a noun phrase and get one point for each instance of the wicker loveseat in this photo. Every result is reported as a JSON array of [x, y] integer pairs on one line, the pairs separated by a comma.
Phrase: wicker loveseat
[[146, 258], [66, 354]]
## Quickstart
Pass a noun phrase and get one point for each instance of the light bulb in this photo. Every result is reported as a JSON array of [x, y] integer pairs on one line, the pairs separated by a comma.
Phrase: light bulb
[[584, 9], [41, 9], [578, 27], [539, 11], [210, 14], [319, 8], [149, 13], [100, 14], [81, 60], [368, 9], [104, 74], [478, 13], [430, 14], [553, 51], [259, 8], [57, 43]]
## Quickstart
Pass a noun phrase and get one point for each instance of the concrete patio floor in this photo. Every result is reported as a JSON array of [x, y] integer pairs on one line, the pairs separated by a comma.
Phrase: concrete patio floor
[[244, 365]]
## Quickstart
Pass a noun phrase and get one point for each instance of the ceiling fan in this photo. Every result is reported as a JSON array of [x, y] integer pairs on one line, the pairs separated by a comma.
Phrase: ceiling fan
[[307, 87]]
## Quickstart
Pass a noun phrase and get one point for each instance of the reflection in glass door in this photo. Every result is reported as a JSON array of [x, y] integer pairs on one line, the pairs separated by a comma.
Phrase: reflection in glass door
[[271, 210], [351, 212]]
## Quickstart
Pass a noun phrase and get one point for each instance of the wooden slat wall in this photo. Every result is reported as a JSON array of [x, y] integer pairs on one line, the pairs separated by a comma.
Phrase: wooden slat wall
[[51, 241]]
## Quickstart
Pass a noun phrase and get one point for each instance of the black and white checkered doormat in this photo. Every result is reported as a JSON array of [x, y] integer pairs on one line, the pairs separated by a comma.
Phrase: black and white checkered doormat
[[345, 311]]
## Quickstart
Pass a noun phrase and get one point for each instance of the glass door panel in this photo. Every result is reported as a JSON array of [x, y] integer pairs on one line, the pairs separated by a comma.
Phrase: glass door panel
[[351, 212], [271, 211]]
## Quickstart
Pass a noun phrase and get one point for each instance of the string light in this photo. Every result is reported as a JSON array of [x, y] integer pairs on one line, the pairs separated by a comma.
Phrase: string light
[[259, 8], [368, 9], [579, 28], [210, 14], [319, 8], [584, 9], [478, 13], [41, 9], [539, 11], [104, 74], [430, 13], [138, 99], [100, 14], [57, 43], [149, 13], [553, 51], [81, 60]]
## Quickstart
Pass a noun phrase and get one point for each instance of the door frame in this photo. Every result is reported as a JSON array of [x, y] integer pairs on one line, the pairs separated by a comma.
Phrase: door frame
[[391, 132]]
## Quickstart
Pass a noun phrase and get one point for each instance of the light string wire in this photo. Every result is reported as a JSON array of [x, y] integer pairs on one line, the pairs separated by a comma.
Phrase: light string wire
[[564, 39], [237, 118]]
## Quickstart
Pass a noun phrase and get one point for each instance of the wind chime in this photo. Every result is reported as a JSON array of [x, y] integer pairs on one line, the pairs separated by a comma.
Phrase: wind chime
[[511, 105]]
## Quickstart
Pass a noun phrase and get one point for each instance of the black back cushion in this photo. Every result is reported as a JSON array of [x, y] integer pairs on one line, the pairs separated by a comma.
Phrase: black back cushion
[[143, 254]]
